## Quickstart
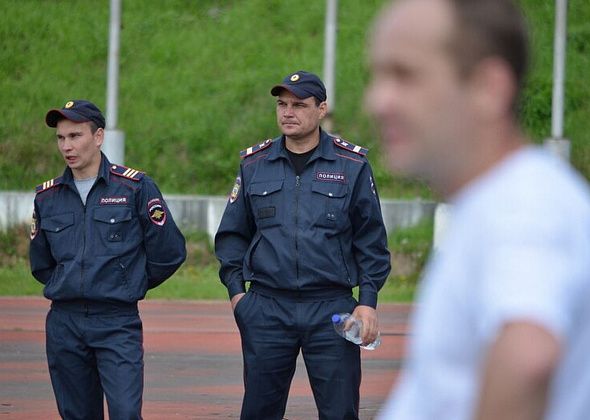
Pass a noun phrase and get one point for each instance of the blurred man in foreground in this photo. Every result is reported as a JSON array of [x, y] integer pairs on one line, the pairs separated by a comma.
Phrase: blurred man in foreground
[[502, 329]]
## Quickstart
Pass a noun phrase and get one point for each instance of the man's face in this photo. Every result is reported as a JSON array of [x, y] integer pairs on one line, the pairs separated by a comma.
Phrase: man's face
[[78, 146], [416, 96], [298, 118]]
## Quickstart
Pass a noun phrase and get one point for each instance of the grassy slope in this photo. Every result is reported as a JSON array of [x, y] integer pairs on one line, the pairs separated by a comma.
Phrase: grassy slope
[[195, 77], [198, 278], [194, 83], [537, 106]]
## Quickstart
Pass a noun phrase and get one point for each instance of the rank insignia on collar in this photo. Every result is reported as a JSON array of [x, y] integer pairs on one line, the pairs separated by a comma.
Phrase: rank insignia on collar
[[351, 147], [48, 184], [125, 172], [255, 149], [156, 212]]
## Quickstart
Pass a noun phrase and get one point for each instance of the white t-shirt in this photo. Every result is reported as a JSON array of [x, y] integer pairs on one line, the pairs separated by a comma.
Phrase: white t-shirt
[[517, 248]]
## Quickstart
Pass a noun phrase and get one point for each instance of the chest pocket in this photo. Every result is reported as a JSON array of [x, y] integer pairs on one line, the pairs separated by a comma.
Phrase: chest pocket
[[111, 222], [61, 235], [333, 211], [265, 200], [57, 223], [112, 215]]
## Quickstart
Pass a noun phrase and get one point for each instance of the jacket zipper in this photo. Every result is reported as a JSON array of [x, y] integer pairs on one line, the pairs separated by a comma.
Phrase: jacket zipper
[[83, 244], [84, 236], [297, 185]]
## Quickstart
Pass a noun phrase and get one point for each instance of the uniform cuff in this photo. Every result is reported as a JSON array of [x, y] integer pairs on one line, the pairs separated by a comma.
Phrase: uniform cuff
[[368, 298], [235, 287]]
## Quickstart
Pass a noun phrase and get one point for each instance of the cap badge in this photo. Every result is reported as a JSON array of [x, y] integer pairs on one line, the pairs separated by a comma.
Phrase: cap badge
[[69, 104], [295, 77]]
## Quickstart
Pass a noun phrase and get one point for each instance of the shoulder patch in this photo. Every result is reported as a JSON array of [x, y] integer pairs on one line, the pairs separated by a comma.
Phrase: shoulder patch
[[255, 149], [126, 172], [48, 184], [351, 147]]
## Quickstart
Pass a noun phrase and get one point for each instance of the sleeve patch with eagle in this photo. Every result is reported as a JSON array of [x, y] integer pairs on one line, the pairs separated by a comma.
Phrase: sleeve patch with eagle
[[156, 212], [34, 226]]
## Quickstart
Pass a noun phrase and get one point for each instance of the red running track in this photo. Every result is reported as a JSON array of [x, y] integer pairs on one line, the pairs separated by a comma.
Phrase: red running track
[[193, 362]]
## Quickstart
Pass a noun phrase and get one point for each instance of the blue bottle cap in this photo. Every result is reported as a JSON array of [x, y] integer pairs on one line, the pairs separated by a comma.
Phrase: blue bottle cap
[[336, 319]]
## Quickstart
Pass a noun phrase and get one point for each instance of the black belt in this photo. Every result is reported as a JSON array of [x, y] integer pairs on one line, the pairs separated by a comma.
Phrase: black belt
[[308, 295], [93, 307]]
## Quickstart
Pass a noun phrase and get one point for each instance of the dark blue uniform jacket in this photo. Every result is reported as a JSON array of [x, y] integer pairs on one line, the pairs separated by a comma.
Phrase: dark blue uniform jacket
[[122, 242], [319, 230]]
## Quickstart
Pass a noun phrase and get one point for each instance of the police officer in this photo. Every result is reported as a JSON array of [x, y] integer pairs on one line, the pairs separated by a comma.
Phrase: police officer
[[101, 236], [303, 226]]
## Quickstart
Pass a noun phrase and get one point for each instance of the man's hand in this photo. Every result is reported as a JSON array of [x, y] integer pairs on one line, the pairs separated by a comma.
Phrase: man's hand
[[368, 316], [235, 299]]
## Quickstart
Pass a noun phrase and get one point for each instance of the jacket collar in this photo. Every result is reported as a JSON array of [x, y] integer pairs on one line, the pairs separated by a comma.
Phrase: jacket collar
[[325, 149], [103, 172]]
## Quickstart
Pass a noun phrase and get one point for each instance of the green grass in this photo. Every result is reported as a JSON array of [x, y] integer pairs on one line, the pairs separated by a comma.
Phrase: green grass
[[16, 280], [195, 77], [198, 277], [15, 275], [410, 248], [191, 282], [194, 88]]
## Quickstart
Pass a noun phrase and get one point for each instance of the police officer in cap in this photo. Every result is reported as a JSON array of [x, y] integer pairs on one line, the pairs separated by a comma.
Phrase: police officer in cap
[[102, 235], [303, 227]]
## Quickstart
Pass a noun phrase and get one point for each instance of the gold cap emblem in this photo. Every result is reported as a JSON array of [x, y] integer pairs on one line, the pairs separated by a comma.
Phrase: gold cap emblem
[[295, 77], [69, 104]]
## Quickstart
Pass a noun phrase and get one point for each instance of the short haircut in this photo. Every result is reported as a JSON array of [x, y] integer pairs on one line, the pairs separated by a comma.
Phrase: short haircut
[[490, 28], [93, 126]]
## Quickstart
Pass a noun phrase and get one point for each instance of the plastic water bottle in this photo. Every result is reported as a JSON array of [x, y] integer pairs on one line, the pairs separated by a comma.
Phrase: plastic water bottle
[[354, 332]]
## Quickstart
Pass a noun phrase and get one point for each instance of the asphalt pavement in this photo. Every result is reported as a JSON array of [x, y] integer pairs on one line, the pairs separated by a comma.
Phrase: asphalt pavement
[[193, 362]]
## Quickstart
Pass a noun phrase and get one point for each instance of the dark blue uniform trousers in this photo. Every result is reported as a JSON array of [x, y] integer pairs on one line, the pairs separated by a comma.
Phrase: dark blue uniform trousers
[[91, 351], [274, 328]]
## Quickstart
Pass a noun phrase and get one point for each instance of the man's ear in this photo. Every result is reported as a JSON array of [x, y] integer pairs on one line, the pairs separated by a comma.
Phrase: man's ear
[[99, 136], [494, 89], [323, 109]]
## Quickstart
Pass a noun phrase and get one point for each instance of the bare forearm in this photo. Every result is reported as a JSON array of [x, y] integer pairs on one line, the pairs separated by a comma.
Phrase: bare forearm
[[517, 374], [505, 395]]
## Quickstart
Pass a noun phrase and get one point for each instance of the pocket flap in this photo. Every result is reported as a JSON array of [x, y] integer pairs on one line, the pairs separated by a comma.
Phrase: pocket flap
[[112, 215], [330, 189], [58, 222], [265, 188]]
